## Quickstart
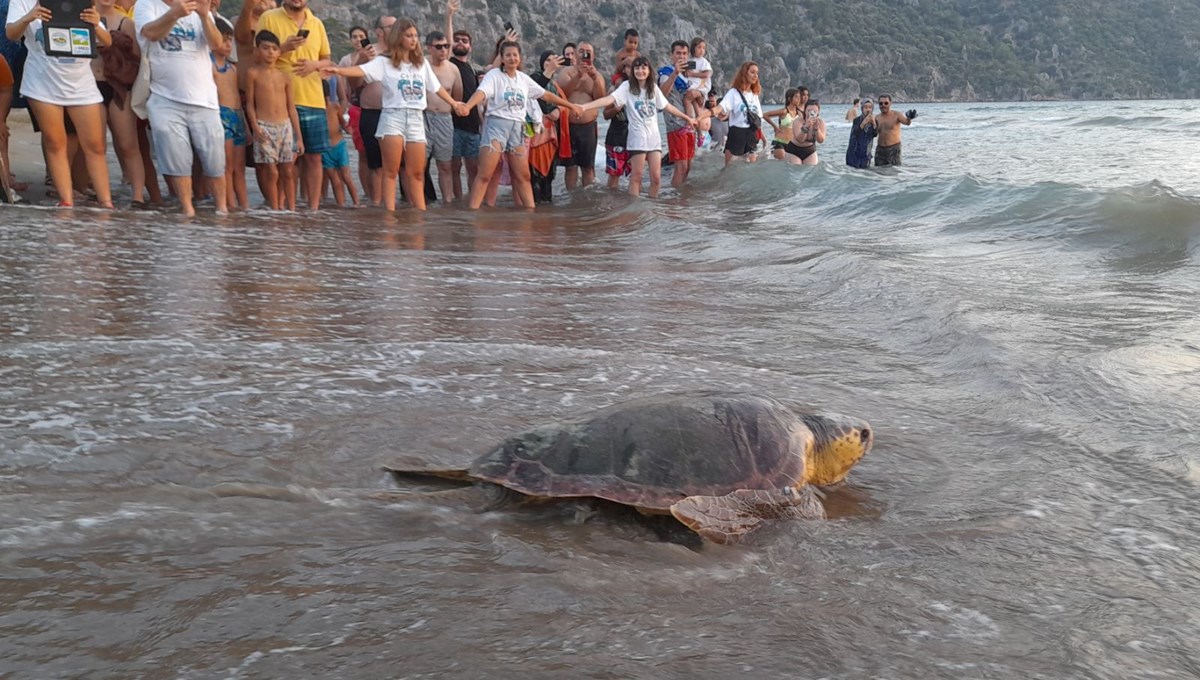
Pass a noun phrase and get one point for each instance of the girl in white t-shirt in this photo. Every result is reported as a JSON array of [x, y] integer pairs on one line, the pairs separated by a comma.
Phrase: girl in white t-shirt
[[61, 89], [642, 100], [739, 101], [507, 92], [407, 80], [699, 78]]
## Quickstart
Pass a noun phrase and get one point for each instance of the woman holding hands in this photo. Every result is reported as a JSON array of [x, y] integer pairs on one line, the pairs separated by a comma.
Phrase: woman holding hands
[[507, 91], [642, 100], [407, 79]]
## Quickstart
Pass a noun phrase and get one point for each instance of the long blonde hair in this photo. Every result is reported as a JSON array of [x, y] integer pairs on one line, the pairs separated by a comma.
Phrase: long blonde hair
[[396, 51]]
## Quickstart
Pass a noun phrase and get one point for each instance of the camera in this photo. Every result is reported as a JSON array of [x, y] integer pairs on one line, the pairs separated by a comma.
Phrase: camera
[[911, 113], [364, 43], [813, 114], [690, 65], [585, 56], [508, 26]]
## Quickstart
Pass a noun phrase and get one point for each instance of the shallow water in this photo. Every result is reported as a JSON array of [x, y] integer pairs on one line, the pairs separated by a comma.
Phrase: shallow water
[[1014, 311]]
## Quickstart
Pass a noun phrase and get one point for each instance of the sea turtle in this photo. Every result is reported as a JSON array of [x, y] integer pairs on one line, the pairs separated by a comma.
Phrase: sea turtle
[[723, 465]]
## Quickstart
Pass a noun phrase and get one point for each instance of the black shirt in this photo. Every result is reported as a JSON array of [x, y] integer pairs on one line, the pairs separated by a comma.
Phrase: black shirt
[[470, 83]]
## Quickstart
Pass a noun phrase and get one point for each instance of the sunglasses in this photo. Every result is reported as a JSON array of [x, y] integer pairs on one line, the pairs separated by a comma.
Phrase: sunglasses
[[441, 46]]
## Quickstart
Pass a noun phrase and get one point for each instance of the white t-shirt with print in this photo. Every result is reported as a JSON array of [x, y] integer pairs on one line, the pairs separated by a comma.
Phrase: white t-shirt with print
[[507, 96], [64, 81], [404, 87], [180, 66], [702, 84], [732, 102], [642, 112]]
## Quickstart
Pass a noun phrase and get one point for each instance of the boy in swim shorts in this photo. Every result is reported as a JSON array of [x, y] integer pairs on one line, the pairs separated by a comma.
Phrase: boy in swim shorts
[[271, 109], [230, 101]]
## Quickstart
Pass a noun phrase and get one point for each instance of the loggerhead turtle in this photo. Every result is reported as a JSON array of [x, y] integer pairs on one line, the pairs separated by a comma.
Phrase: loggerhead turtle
[[723, 465]]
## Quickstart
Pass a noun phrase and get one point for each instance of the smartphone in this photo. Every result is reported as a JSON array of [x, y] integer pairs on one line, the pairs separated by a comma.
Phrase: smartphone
[[302, 33], [585, 56], [691, 65], [566, 61], [364, 43], [508, 26]]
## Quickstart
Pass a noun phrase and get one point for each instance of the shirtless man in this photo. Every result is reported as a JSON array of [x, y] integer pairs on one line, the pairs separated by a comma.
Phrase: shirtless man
[[581, 84], [887, 149], [439, 121]]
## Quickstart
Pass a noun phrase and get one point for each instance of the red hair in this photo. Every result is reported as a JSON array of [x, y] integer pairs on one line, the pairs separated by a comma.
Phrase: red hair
[[741, 80]]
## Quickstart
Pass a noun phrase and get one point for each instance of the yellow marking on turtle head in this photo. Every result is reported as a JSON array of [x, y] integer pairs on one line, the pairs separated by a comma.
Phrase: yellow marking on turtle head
[[839, 444]]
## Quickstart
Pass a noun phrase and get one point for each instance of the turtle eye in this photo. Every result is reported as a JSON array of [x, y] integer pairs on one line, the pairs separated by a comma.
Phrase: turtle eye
[[865, 435], [519, 448]]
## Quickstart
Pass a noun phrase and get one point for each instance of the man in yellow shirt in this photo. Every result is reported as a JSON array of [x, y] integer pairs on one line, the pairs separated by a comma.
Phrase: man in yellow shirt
[[305, 49]]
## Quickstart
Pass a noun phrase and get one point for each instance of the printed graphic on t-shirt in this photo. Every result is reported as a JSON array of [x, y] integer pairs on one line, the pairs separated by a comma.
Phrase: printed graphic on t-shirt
[[645, 108], [514, 99], [179, 39], [412, 88]]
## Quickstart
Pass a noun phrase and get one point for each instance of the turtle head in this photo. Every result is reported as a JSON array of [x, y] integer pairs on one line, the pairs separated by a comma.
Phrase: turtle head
[[839, 443]]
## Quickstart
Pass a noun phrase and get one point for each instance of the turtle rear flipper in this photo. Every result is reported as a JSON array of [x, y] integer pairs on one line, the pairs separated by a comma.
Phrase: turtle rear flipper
[[730, 518]]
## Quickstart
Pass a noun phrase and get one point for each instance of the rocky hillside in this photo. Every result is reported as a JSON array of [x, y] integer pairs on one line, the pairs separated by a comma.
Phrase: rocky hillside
[[920, 50]]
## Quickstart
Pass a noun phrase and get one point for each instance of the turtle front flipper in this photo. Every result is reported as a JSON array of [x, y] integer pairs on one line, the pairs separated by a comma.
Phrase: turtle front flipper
[[730, 518], [417, 474]]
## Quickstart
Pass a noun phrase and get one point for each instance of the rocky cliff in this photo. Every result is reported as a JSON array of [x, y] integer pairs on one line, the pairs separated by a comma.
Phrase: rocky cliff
[[920, 50]]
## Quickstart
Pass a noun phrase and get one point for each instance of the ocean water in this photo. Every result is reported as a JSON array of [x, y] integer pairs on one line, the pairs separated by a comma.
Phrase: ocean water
[[194, 414]]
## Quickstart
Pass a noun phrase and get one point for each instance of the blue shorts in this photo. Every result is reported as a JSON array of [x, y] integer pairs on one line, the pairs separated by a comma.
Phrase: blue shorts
[[509, 135], [314, 129], [336, 156], [466, 144], [235, 125]]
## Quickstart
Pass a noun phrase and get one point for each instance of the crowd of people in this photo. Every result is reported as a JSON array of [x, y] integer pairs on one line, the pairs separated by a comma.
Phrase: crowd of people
[[199, 98]]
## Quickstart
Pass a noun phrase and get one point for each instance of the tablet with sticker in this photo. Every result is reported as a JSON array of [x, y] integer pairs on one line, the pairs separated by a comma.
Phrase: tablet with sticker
[[66, 35]]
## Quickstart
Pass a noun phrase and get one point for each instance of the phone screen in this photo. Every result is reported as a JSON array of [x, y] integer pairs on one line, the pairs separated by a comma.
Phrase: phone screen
[[302, 33]]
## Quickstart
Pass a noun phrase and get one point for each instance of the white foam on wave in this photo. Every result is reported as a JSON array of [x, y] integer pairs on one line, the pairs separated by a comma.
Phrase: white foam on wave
[[36, 533]]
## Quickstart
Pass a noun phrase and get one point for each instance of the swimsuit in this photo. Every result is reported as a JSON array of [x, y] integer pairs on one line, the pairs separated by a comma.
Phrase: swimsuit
[[279, 144], [801, 152], [235, 125]]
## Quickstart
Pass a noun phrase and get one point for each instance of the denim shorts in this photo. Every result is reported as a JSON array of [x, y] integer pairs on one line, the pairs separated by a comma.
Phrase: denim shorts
[[466, 144], [509, 133], [406, 123]]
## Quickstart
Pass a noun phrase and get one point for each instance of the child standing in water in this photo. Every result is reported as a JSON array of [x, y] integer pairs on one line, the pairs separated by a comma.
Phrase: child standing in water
[[271, 109], [335, 160], [699, 79], [230, 100]]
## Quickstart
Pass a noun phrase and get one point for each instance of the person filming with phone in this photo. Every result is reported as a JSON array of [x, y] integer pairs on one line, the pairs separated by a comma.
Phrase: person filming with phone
[[582, 84], [807, 133]]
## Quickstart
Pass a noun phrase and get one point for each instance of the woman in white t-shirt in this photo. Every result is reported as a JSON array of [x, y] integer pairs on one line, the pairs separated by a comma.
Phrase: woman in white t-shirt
[[507, 92], [742, 98], [407, 80], [642, 100], [63, 90]]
